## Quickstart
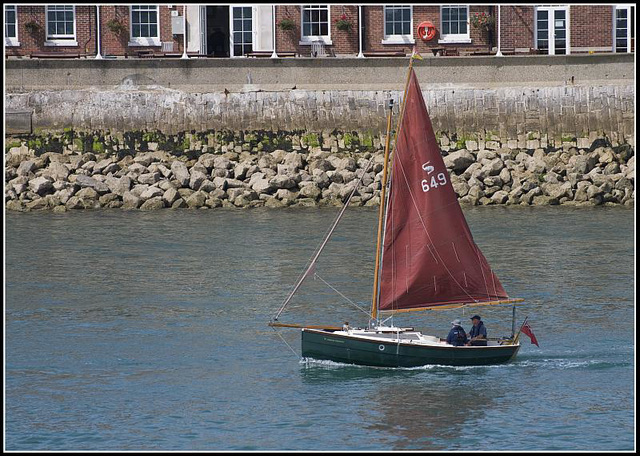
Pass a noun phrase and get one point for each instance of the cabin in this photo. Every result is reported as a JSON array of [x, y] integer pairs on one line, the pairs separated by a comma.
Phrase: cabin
[[315, 31]]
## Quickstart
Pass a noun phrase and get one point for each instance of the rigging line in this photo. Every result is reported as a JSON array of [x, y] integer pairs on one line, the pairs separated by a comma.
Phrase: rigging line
[[415, 205], [337, 291], [324, 243], [286, 343]]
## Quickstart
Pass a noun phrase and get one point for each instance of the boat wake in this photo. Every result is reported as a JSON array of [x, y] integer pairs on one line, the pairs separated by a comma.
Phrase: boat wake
[[567, 363], [327, 364]]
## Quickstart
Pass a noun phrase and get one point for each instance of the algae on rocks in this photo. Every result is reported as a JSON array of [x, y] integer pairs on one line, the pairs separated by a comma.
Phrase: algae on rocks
[[150, 170]]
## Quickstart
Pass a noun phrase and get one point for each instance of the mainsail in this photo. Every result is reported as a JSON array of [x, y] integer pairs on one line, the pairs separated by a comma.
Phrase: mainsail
[[429, 257]]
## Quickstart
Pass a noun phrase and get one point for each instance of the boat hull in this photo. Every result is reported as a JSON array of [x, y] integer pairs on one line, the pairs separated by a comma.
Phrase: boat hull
[[326, 345]]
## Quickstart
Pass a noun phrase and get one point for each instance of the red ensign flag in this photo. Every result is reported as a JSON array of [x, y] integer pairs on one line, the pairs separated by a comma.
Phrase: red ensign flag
[[529, 332]]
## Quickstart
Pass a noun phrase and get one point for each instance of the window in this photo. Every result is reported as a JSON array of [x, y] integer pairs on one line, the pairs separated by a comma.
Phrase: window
[[61, 25], [551, 29], [10, 26], [242, 30], [454, 24], [315, 24], [398, 26], [144, 26], [624, 28]]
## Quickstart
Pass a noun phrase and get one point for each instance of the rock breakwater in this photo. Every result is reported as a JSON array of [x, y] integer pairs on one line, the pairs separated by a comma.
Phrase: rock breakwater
[[296, 169]]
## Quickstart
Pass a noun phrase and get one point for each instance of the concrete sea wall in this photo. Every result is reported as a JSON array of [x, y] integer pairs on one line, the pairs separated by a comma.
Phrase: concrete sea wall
[[554, 97], [149, 170]]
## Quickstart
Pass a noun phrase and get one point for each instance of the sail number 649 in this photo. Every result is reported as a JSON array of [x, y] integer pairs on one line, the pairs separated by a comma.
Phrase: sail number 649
[[434, 182]]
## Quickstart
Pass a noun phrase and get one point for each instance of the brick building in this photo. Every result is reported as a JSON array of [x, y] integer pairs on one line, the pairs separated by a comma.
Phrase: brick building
[[350, 30]]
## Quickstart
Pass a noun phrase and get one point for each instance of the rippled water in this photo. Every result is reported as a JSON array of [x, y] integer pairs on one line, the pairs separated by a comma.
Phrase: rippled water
[[147, 331]]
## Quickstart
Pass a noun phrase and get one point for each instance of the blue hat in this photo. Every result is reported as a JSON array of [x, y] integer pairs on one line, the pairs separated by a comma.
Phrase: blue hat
[[476, 316]]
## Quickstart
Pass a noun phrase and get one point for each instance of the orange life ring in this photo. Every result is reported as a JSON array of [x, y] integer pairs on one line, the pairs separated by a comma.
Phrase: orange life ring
[[426, 31]]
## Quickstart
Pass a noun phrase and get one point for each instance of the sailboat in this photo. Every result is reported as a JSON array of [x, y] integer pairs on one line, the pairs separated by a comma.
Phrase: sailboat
[[426, 259]]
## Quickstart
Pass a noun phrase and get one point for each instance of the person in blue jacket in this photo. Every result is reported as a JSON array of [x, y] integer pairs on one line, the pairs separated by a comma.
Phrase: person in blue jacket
[[457, 336], [478, 333]]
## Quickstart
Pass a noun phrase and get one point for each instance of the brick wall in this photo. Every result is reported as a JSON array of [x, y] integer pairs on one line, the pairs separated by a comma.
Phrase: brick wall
[[343, 42], [516, 27], [113, 44], [373, 17], [35, 41], [591, 26], [86, 31]]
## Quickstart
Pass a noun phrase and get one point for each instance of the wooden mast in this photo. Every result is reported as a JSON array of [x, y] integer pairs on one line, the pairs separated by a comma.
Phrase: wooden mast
[[376, 275]]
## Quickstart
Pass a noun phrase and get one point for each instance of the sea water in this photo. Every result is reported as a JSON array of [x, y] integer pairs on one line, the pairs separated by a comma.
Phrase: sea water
[[148, 331]]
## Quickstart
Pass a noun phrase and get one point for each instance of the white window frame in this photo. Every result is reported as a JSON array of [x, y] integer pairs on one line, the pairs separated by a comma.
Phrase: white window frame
[[552, 18], [455, 37], [615, 24], [144, 41], [308, 40], [10, 41], [232, 30], [401, 38], [60, 40]]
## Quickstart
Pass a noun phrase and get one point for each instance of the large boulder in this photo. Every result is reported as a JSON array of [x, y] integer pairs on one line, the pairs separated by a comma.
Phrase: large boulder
[[170, 196], [151, 192], [197, 178], [90, 182], [196, 200], [118, 185], [17, 155], [26, 167], [41, 185], [459, 160], [581, 164], [130, 201], [282, 181], [180, 173], [57, 171], [152, 203]]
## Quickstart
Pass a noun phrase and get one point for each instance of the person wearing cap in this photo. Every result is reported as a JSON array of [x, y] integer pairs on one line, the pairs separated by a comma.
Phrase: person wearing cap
[[478, 333], [457, 336]]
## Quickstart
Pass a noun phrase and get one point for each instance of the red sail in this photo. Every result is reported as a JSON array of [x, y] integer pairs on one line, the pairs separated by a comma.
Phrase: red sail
[[429, 256]]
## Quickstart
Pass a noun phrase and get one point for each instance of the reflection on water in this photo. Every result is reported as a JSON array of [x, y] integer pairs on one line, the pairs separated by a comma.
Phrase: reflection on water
[[147, 331]]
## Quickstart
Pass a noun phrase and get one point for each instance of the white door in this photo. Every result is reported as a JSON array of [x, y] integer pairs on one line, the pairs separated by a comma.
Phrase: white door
[[263, 26], [551, 29], [203, 30], [242, 30]]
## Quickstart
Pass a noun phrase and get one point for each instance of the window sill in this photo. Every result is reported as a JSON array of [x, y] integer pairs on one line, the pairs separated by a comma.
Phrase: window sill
[[452, 40], [309, 42], [145, 42], [399, 40], [61, 43], [11, 42]]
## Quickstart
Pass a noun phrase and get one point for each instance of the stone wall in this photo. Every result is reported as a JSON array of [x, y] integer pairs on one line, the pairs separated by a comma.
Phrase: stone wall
[[149, 170], [509, 113], [510, 98]]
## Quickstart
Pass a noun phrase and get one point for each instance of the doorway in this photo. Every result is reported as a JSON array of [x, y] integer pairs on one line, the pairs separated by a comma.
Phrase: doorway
[[551, 29], [217, 31]]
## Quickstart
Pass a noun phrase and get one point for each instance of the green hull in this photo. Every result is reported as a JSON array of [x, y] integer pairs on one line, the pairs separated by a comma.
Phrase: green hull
[[325, 345]]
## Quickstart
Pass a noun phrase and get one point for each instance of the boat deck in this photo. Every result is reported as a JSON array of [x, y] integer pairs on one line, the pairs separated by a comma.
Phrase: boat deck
[[405, 336]]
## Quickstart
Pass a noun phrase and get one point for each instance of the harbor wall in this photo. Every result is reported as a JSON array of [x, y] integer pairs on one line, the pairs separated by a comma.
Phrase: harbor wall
[[510, 98]]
